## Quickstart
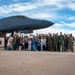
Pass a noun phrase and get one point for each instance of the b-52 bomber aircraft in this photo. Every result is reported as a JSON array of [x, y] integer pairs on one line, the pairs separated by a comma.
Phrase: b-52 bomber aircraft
[[22, 24]]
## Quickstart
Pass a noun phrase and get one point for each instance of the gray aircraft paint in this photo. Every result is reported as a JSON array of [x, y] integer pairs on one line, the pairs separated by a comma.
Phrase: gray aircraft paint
[[18, 23]]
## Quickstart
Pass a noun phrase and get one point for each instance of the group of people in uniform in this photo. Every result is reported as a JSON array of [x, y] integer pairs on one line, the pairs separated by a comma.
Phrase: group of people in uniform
[[41, 42]]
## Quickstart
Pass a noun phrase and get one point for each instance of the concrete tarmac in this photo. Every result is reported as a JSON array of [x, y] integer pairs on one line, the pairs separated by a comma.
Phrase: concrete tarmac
[[37, 63]]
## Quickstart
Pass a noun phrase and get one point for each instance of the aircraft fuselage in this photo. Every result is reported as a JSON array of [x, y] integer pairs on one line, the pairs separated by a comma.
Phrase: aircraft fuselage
[[18, 23]]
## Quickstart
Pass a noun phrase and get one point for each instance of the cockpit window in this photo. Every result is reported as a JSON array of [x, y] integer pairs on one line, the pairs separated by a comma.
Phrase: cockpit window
[[20, 17]]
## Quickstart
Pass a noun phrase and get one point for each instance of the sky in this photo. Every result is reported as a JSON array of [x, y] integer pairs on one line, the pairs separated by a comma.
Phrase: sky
[[61, 12]]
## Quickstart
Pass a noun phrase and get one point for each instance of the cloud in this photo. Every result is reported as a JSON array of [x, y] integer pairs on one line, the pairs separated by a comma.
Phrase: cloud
[[40, 15], [19, 7], [15, 0], [71, 6], [71, 18], [3, 10], [51, 30], [22, 7], [58, 25], [59, 4], [43, 15], [72, 25]]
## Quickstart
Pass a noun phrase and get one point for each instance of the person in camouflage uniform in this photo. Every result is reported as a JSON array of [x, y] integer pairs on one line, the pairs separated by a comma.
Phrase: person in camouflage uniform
[[55, 42], [50, 40], [14, 42], [46, 42], [71, 43], [66, 43]]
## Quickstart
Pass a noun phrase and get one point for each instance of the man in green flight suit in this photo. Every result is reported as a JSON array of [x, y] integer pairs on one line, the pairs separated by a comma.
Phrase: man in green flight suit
[[61, 42]]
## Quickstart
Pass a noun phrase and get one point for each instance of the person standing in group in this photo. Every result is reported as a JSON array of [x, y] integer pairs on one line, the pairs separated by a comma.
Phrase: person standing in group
[[18, 39], [26, 42], [50, 40], [20, 42], [33, 43], [71, 43], [14, 42], [9, 44], [23, 42], [36, 42], [66, 42], [29, 44], [41, 43], [5, 42], [55, 42], [61, 42], [46, 42], [58, 42]]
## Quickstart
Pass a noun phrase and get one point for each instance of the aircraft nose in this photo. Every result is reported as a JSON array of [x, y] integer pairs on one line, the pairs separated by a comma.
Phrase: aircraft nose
[[46, 23]]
